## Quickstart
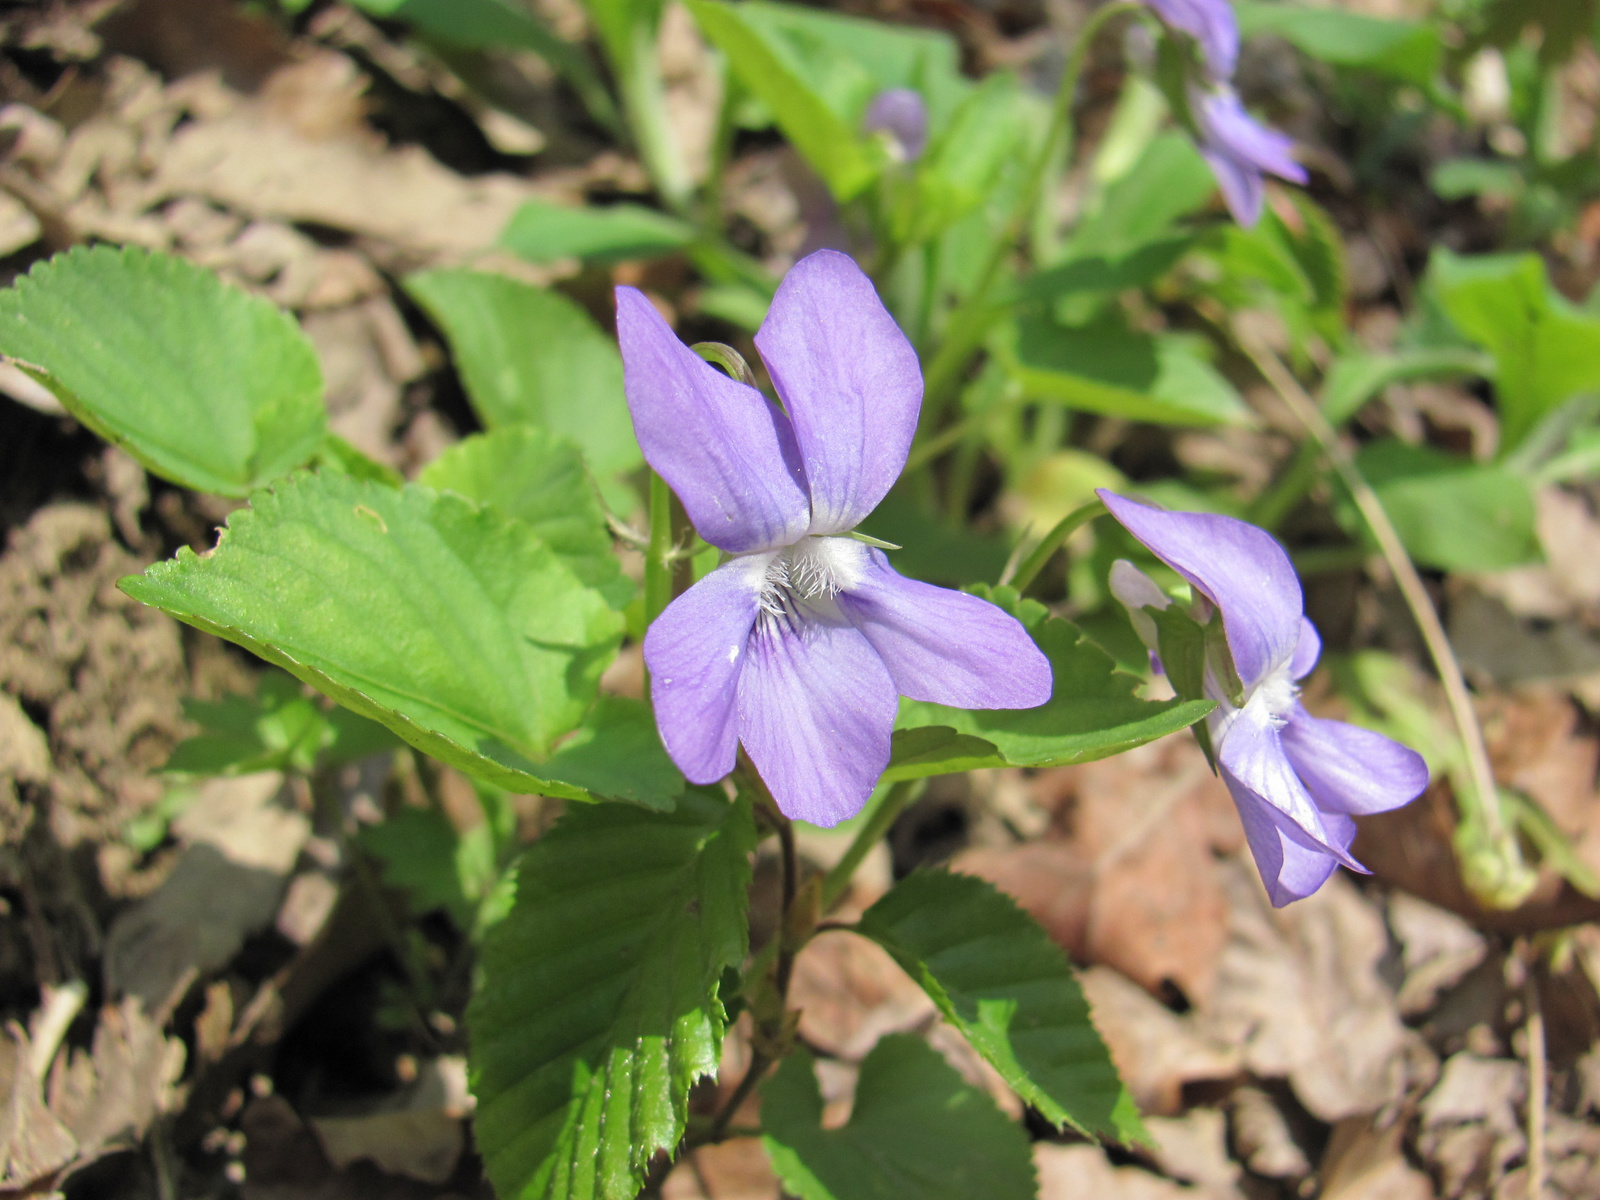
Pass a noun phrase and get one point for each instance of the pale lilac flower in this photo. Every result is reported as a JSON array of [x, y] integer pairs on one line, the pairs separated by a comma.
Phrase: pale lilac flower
[[1296, 779], [900, 113], [799, 645], [1210, 23], [1241, 150]]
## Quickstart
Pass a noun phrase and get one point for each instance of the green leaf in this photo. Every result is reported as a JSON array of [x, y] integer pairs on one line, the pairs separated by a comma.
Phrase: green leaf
[[1092, 713], [1168, 182], [1356, 377], [997, 976], [1108, 368], [1405, 50], [771, 68], [496, 24], [533, 357], [1545, 350], [278, 729], [618, 753], [917, 1131], [450, 624], [204, 384], [543, 232], [1452, 513], [599, 1005], [537, 477], [418, 848]]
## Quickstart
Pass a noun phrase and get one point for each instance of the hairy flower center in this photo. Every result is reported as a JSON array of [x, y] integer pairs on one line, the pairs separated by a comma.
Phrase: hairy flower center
[[1269, 703], [814, 569]]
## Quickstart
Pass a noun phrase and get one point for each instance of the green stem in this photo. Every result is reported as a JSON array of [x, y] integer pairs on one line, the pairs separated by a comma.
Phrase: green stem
[[1053, 541], [971, 320], [837, 881], [658, 560]]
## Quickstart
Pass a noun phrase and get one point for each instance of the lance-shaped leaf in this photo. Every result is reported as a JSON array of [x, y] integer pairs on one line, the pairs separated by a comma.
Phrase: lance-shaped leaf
[[204, 384], [599, 1002], [1092, 711], [916, 1130], [772, 68], [997, 976], [451, 624], [538, 477]]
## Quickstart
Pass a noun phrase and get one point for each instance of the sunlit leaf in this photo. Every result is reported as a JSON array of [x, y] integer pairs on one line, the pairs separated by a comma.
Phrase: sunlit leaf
[[599, 1002], [997, 976], [538, 477], [204, 384], [530, 356], [452, 625]]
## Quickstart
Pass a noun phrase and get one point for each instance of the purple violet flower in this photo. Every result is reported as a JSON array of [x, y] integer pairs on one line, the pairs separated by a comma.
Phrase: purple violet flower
[[900, 113], [1212, 24], [1241, 150], [1296, 779], [799, 645]]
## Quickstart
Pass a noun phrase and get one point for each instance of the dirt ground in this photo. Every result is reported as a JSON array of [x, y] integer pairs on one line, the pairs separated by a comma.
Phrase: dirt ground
[[203, 1003]]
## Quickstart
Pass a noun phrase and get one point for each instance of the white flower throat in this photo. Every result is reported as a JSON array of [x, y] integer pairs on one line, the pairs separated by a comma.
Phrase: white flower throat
[[810, 574]]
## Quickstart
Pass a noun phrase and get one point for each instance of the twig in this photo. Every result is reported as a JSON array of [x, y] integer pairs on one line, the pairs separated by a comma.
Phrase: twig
[[1538, 1084], [1412, 589]]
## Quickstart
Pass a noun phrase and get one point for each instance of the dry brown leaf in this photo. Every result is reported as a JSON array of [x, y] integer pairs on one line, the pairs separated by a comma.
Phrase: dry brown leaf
[[1082, 1173], [240, 844], [1193, 1148], [850, 993], [418, 1133], [735, 1170], [1156, 1050], [1298, 989], [1366, 1163], [265, 159], [94, 1103], [1437, 950]]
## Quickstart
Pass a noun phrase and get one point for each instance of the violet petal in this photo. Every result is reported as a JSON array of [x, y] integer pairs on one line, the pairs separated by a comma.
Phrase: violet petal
[[1348, 769], [1251, 751], [1239, 568], [850, 382], [728, 452], [1291, 866], [1209, 22], [1243, 189], [816, 711], [943, 646], [695, 651], [1306, 651]]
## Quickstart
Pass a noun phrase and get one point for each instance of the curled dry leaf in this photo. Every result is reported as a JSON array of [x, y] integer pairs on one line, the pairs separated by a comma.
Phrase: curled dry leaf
[[93, 1104], [1298, 990]]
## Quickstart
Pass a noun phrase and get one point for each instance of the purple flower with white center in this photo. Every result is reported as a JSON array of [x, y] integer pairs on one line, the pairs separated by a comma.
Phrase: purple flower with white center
[[900, 113], [1297, 779], [799, 645], [1212, 24], [1241, 150]]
